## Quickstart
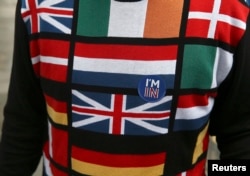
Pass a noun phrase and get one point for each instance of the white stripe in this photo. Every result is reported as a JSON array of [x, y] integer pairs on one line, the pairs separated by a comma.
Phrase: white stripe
[[35, 60], [89, 120], [184, 174], [48, 3], [194, 112], [222, 66], [233, 21], [127, 19], [55, 23], [27, 4], [124, 66], [47, 165], [54, 60], [26, 18], [213, 23], [89, 100], [199, 15], [150, 105], [50, 140], [23, 10], [225, 65], [214, 79], [147, 125]]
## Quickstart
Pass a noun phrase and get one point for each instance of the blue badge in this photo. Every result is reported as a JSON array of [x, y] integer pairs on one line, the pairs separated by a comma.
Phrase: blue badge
[[152, 88]]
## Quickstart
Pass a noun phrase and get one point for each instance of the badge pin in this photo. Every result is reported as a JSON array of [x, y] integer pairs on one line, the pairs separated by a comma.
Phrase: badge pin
[[152, 88]]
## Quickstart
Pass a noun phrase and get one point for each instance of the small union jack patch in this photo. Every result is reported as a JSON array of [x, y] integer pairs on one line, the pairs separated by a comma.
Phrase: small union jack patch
[[48, 15]]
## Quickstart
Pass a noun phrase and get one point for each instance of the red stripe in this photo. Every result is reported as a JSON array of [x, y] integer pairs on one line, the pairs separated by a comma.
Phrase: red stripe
[[192, 28], [58, 106], [55, 11], [59, 146], [117, 119], [206, 142], [34, 48], [33, 14], [45, 47], [49, 11], [53, 72], [118, 160], [129, 52], [186, 101], [198, 6], [55, 48], [123, 114], [238, 6], [53, 169], [25, 14], [36, 68], [198, 170], [227, 31]]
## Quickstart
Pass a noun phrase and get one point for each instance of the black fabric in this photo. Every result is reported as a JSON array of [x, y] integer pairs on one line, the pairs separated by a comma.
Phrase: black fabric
[[22, 140], [230, 119]]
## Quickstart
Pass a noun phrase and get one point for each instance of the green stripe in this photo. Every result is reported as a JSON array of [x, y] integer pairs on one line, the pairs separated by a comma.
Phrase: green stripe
[[93, 17], [198, 65]]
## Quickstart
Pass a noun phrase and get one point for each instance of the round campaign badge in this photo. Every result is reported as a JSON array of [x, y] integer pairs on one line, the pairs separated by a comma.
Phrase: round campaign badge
[[152, 88]]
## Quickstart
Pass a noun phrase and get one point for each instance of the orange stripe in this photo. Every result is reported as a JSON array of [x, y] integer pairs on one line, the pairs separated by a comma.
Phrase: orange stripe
[[57, 117], [57, 105], [97, 170], [200, 148], [163, 19], [57, 110]]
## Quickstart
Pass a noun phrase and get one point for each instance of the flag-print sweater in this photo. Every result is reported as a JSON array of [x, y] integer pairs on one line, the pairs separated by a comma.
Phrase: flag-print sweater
[[126, 87]]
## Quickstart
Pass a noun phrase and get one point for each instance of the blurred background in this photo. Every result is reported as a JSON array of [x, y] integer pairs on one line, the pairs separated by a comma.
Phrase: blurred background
[[7, 10]]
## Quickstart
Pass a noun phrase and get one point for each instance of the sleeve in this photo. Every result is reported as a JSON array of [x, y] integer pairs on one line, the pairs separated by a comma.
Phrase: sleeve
[[24, 126], [230, 118]]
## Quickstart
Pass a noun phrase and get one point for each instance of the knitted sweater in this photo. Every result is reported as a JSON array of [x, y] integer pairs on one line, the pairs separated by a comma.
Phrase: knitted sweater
[[126, 88]]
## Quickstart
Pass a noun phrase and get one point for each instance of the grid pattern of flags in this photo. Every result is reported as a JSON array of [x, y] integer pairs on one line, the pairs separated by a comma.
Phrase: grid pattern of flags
[[91, 55]]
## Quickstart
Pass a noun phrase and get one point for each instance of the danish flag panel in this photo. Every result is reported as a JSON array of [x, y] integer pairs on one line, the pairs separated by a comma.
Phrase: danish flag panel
[[216, 20]]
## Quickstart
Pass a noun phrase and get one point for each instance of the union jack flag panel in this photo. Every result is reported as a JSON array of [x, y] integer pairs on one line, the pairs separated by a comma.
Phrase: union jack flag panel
[[48, 16], [119, 114]]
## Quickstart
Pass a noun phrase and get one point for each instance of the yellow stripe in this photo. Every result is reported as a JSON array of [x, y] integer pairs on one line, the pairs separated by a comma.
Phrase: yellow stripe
[[198, 151], [57, 117], [163, 18], [98, 170]]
